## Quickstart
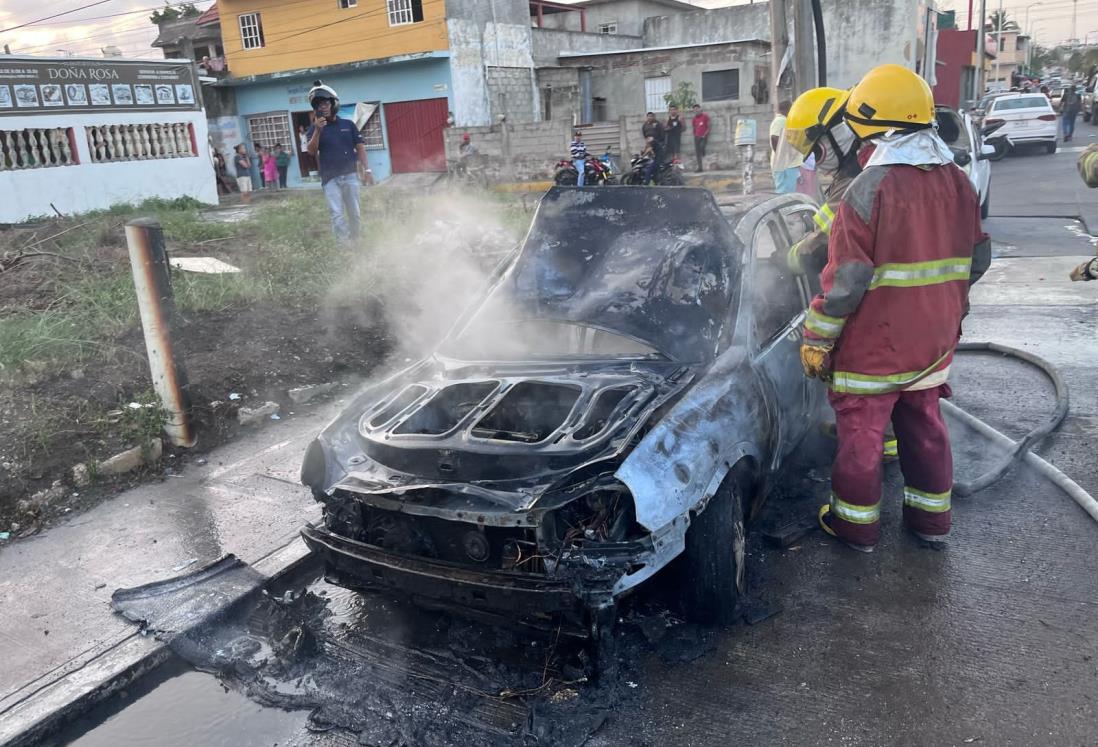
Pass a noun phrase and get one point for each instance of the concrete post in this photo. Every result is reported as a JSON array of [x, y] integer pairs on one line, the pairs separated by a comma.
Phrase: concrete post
[[779, 40], [804, 51], [151, 280]]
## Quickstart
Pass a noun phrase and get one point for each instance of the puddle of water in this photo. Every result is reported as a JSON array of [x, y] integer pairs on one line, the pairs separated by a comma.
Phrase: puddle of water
[[180, 707]]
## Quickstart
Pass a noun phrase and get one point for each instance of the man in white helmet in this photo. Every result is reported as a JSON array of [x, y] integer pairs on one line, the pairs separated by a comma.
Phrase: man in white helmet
[[339, 149]]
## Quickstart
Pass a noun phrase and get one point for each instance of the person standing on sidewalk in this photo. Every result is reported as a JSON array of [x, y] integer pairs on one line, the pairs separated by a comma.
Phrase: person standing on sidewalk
[[577, 149], [1070, 106], [700, 126], [905, 247], [652, 128], [673, 133], [785, 177], [282, 163], [243, 166], [339, 149]]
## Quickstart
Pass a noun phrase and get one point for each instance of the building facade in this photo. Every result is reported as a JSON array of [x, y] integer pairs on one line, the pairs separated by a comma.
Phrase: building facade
[[81, 134]]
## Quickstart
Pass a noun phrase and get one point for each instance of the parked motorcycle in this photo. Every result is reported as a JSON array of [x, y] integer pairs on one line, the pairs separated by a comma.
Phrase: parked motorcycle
[[597, 172], [1001, 143], [668, 174]]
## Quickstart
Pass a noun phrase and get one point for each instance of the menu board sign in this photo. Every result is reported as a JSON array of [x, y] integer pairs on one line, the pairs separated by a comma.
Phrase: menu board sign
[[32, 86]]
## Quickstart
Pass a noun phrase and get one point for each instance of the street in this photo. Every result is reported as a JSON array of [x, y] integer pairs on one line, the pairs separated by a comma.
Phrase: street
[[991, 640]]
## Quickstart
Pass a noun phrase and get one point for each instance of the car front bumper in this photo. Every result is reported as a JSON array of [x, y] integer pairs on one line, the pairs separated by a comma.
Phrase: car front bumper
[[505, 595]]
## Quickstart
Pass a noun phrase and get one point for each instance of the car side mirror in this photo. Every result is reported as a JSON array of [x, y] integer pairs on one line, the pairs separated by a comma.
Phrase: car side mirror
[[962, 158], [986, 152]]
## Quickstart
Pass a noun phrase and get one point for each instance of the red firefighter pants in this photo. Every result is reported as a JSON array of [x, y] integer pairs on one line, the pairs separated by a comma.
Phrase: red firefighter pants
[[925, 460]]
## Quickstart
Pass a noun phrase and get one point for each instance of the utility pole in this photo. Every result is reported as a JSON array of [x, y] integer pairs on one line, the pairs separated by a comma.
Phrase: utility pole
[[999, 40], [804, 53], [779, 41], [981, 52], [1074, 9]]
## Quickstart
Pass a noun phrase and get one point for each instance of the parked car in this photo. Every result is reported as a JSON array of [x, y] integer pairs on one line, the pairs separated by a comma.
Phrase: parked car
[[969, 152], [1090, 106], [628, 382], [1026, 118], [980, 110]]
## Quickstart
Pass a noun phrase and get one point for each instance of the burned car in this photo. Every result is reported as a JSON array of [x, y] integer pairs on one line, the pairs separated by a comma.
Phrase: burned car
[[616, 399]]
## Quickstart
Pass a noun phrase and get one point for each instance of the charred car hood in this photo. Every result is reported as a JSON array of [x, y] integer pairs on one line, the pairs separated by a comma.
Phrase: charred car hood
[[491, 430]]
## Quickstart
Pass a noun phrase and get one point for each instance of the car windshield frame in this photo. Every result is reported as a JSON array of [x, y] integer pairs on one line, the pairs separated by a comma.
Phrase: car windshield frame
[[455, 348], [660, 266]]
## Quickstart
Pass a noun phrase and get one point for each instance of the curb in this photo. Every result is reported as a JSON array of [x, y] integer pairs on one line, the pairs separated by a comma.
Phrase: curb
[[81, 684]]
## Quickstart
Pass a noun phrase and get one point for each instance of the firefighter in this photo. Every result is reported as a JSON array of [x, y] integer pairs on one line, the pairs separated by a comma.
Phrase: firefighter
[[815, 125], [905, 246]]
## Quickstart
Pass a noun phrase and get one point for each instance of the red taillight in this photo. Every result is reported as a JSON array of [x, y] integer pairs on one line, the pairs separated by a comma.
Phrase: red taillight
[[990, 122], [1047, 117]]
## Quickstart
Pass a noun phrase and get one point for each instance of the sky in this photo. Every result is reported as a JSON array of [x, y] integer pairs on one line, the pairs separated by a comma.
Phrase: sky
[[86, 32]]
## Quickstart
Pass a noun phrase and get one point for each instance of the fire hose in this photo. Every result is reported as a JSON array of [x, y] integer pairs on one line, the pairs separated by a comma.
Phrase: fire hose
[[1020, 450]]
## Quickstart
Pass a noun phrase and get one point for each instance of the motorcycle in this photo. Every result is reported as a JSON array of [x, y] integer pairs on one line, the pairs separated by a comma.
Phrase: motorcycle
[[1001, 143], [668, 173], [597, 172]]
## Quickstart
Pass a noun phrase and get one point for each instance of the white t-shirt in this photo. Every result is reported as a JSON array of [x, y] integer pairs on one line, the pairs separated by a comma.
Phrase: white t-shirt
[[304, 143], [776, 129]]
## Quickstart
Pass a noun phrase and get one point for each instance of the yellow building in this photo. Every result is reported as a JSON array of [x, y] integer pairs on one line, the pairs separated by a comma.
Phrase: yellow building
[[271, 36]]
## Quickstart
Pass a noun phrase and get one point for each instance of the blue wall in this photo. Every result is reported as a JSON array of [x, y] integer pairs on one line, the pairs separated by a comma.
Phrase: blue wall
[[398, 81]]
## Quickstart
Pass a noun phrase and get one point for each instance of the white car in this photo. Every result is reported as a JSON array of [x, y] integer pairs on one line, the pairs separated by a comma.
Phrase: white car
[[969, 152], [1024, 118]]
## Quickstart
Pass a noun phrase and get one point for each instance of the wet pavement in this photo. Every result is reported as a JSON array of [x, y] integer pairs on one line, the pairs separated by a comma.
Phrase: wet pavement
[[991, 640]]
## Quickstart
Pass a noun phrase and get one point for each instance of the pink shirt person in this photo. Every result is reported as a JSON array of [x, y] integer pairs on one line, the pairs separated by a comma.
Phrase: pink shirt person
[[270, 168]]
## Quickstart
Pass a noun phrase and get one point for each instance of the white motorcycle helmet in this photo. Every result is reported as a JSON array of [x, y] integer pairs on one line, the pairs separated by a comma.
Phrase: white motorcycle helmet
[[320, 91]]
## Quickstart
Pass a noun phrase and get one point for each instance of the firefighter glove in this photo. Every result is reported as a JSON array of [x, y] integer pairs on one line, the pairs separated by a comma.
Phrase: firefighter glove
[[816, 360]]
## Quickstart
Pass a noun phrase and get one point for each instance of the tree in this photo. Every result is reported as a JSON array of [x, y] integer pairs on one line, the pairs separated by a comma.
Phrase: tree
[[683, 96], [1000, 21], [1043, 58], [174, 12]]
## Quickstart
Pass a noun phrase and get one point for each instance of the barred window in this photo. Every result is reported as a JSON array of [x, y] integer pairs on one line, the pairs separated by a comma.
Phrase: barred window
[[371, 132], [271, 129], [403, 12], [608, 28], [251, 30]]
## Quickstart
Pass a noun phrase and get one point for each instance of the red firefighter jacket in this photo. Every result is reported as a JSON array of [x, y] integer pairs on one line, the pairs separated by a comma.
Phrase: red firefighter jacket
[[905, 246]]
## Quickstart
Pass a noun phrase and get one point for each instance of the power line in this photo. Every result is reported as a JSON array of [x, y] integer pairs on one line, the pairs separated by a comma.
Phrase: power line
[[123, 13], [114, 33], [55, 15]]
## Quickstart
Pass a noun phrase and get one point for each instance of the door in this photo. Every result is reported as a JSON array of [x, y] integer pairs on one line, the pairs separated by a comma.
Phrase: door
[[415, 135], [778, 300]]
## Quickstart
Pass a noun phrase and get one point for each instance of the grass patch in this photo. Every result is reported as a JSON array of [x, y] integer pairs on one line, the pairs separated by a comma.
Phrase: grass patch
[[286, 253]]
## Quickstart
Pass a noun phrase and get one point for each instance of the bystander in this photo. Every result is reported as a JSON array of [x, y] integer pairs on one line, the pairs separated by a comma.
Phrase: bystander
[[340, 151], [700, 125]]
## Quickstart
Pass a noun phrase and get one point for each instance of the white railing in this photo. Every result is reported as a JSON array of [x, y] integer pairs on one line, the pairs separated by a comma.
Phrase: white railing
[[34, 148], [138, 142]]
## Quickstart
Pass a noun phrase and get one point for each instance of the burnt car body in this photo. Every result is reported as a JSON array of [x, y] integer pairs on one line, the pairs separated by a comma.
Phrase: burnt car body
[[632, 364]]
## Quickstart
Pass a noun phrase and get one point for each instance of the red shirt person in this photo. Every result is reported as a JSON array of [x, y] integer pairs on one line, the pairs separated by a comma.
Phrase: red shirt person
[[700, 125]]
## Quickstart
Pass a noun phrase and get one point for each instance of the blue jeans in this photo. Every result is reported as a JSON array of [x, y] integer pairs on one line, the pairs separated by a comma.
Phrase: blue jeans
[[785, 181], [581, 170], [341, 192], [1068, 123]]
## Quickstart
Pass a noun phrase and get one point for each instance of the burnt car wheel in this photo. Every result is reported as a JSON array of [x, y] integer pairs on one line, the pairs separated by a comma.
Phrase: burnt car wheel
[[715, 555]]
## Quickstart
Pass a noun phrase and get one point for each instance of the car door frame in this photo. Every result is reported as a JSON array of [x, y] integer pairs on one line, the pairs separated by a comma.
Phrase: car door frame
[[799, 407]]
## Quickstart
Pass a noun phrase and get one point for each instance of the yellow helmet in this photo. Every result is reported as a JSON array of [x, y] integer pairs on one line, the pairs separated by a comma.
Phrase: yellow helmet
[[889, 97], [813, 113]]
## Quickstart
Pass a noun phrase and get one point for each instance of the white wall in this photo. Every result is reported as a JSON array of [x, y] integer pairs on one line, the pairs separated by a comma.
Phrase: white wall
[[89, 186]]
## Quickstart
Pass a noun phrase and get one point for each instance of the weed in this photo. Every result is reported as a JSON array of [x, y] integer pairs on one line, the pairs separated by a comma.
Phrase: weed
[[142, 420]]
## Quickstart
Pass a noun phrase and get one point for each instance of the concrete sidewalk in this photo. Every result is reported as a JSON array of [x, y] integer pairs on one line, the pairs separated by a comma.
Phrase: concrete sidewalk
[[59, 639]]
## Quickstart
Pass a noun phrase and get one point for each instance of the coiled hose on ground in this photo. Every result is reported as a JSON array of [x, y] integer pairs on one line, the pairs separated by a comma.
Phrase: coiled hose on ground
[[1021, 449]]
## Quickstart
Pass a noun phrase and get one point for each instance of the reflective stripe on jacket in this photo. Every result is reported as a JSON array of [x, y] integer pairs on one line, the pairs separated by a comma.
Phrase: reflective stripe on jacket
[[905, 246]]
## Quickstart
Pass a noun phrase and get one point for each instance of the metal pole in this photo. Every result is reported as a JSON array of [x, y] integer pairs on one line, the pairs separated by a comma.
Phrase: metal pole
[[804, 51], [151, 280], [970, 15], [981, 53], [779, 40], [999, 40]]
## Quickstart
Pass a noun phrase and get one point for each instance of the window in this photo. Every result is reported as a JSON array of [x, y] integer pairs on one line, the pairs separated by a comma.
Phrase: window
[[1022, 102], [546, 104], [654, 91], [270, 130], [721, 85], [109, 143], [347, 3], [777, 296], [37, 147], [608, 28], [405, 11], [371, 132], [251, 30]]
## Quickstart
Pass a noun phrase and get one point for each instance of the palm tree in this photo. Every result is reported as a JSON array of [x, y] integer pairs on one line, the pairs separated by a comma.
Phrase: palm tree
[[999, 21]]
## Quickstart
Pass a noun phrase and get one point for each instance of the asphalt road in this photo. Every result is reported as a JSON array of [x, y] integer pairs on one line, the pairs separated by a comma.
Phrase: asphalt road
[[992, 640]]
